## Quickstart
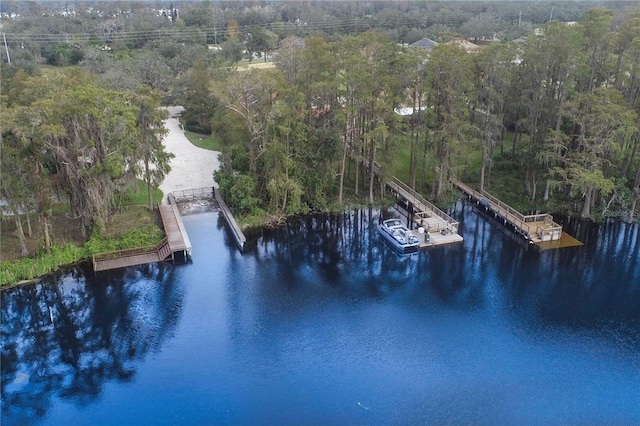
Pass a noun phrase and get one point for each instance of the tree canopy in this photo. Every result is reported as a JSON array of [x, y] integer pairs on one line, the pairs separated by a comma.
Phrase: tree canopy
[[299, 136], [73, 138]]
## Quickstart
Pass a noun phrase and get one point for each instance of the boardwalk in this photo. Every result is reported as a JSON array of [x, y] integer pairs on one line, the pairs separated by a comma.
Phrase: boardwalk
[[124, 258], [436, 224], [178, 239], [536, 228], [176, 242]]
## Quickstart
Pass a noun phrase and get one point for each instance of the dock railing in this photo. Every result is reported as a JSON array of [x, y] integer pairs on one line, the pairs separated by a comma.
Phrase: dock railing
[[122, 254], [550, 231], [448, 223], [163, 249], [541, 217], [510, 211], [193, 194], [435, 226]]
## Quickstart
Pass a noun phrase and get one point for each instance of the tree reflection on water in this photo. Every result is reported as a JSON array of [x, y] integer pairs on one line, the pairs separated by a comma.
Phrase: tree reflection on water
[[584, 285], [329, 282], [68, 335]]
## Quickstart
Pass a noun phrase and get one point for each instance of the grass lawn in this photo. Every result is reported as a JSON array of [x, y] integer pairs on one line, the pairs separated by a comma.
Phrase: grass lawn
[[211, 142], [139, 195], [131, 215], [255, 63], [65, 229], [132, 226], [400, 166], [132, 218], [506, 177], [401, 157]]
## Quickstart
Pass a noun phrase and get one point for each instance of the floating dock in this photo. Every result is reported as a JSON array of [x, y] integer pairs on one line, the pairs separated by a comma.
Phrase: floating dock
[[440, 228], [175, 245], [538, 228]]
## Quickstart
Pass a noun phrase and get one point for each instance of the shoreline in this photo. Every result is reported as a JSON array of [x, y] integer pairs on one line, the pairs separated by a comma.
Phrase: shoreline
[[194, 167], [267, 224]]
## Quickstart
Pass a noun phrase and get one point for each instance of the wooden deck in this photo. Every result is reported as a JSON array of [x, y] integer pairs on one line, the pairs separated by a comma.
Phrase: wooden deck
[[122, 261], [437, 238], [441, 227], [175, 241], [173, 227], [535, 228]]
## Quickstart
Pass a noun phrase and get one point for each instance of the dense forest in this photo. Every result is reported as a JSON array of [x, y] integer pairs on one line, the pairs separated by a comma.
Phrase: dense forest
[[544, 114], [567, 100]]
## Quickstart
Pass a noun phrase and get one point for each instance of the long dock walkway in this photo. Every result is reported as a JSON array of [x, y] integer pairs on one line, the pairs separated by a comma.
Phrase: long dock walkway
[[535, 228], [438, 228], [178, 239], [176, 242]]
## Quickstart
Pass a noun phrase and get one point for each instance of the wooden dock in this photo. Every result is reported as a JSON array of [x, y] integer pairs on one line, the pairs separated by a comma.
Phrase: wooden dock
[[175, 244], [536, 228], [437, 225], [124, 258], [178, 240]]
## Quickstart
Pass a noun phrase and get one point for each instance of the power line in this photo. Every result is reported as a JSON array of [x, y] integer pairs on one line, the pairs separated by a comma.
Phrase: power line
[[335, 24], [6, 47]]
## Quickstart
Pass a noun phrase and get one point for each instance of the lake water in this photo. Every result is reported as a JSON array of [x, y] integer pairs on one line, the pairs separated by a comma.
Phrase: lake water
[[322, 323]]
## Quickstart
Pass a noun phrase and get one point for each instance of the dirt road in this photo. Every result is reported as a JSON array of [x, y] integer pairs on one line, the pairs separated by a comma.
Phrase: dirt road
[[192, 167]]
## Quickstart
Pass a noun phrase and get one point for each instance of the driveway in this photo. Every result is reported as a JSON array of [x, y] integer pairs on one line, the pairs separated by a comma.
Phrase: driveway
[[192, 167]]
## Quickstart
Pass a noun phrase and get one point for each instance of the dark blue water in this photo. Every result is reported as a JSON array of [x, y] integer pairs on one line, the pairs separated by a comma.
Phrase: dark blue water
[[321, 323]]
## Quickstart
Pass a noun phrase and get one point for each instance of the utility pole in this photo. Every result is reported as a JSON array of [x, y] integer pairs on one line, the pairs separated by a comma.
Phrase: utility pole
[[551, 16], [6, 48], [519, 18], [356, 16]]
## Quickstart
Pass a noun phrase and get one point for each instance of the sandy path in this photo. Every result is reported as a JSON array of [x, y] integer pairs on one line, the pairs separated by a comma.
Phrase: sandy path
[[258, 65], [192, 167]]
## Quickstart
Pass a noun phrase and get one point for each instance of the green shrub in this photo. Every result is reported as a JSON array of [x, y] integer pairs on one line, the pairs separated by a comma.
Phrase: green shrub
[[62, 54], [211, 142], [27, 268], [133, 239], [198, 128], [242, 195], [138, 195]]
